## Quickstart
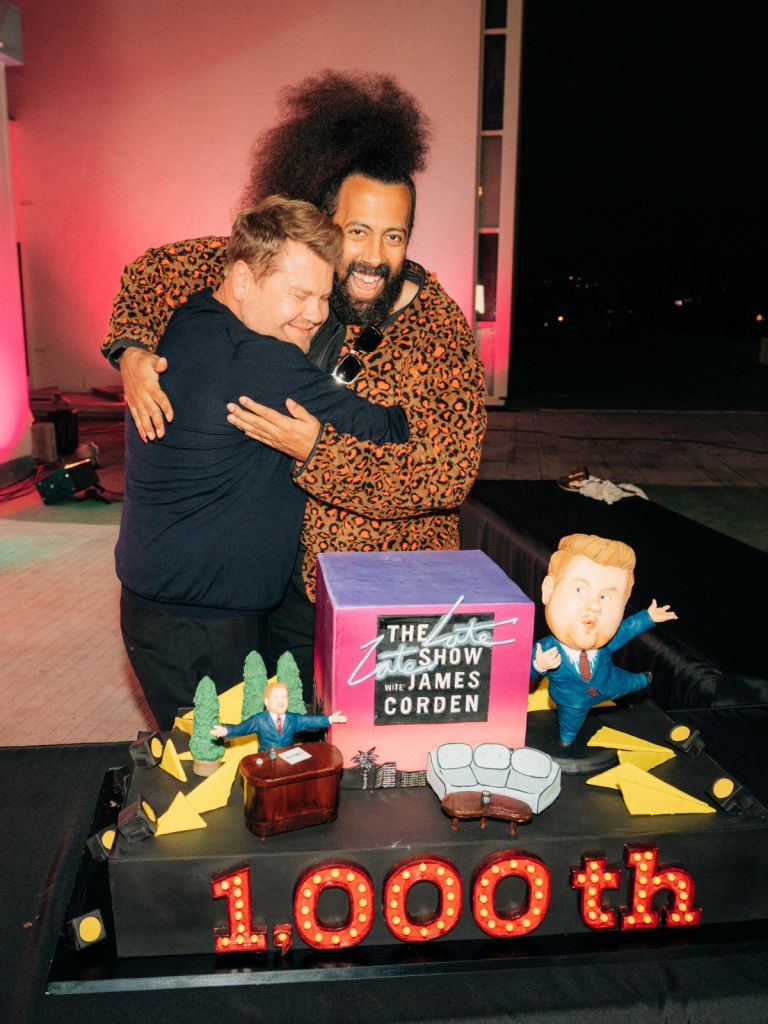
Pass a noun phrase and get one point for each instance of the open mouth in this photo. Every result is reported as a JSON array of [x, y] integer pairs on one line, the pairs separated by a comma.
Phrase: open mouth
[[366, 285]]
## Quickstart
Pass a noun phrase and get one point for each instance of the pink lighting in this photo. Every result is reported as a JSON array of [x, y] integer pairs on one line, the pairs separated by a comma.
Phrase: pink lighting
[[14, 407]]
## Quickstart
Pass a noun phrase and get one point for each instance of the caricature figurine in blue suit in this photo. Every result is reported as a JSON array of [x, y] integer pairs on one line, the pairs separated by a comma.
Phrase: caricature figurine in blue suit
[[584, 594], [277, 726]]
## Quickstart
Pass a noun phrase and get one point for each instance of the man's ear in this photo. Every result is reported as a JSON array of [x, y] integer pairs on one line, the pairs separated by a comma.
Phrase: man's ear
[[547, 586], [241, 279]]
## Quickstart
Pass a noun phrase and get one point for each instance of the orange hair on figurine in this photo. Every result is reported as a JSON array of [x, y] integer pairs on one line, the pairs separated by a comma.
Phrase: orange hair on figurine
[[597, 549], [273, 684]]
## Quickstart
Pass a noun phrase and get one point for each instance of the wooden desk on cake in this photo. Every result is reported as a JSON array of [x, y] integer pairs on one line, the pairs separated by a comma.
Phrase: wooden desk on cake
[[280, 796]]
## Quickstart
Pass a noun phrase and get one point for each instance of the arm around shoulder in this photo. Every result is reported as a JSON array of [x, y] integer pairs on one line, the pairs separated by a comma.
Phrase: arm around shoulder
[[150, 289]]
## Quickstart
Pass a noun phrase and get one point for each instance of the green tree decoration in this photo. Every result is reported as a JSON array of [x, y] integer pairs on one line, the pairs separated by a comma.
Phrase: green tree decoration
[[255, 679], [288, 673], [203, 746]]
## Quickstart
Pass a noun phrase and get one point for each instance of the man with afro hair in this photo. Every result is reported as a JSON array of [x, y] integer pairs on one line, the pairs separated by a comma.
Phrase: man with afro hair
[[350, 144]]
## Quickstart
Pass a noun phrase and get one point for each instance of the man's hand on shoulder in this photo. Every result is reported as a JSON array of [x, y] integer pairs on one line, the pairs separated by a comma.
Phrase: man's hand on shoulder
[[149, 404]]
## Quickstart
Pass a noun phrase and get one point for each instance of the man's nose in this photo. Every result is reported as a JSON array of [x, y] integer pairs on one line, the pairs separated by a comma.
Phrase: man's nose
[[315, 310], [374, 251]]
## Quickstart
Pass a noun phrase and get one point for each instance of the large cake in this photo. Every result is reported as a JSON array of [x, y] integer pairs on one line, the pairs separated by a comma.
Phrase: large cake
[[390, 871]]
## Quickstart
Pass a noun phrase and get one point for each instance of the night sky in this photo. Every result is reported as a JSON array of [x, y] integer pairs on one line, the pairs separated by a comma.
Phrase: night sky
[[643, 145]]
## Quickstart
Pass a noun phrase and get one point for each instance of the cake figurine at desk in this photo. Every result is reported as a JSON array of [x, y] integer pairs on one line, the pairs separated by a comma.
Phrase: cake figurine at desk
[[584, 593], [276, 726]]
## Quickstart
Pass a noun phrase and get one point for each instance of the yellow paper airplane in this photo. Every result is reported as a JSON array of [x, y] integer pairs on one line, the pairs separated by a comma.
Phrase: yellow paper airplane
[[609, 779], [613, 778], [613, 739], [645, 759], [643, 800], [180, 817], [645, 794], [214, 791], [171, 763]]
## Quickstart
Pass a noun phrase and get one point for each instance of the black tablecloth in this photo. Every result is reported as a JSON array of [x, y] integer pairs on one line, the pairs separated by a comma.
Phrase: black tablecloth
[[715, 654], [47, 797]]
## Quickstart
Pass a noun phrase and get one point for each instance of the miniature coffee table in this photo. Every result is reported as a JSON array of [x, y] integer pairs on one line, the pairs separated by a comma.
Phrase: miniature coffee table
[[483, 805]]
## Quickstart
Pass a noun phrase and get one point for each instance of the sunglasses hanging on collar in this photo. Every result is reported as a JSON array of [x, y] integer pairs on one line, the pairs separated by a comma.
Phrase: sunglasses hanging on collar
[[349, 367]]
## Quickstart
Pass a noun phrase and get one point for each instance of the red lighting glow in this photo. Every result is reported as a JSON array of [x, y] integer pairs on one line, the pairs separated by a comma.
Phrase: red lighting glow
[[489, 873], [592, 878], [14, 403], [649, 880], [282, 937], [240, 934], [338, 875], [441, 873]]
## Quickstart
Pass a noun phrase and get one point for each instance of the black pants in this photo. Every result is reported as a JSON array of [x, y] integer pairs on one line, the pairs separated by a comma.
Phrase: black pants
[[170, 654], [292, 628]]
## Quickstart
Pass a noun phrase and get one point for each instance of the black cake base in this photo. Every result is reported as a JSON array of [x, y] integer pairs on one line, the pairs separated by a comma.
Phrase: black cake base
[[161, 889]]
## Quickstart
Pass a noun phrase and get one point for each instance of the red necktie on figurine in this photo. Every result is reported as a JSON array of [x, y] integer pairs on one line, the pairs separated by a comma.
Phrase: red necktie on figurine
[[586, 671], [279, 724]]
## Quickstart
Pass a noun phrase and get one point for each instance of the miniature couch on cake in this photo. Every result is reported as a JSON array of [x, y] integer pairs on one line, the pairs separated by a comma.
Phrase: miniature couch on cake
[[524, 773]]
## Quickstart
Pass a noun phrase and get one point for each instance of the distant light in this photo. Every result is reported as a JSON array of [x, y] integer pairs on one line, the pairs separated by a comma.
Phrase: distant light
[[678, 302], [560, 318], [759, 318]]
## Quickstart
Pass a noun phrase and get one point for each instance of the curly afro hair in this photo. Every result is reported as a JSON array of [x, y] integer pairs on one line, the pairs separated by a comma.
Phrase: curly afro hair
[[337, 124]]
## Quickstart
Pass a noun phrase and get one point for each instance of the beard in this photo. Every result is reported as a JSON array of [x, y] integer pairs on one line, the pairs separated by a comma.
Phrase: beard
[[364, 313]]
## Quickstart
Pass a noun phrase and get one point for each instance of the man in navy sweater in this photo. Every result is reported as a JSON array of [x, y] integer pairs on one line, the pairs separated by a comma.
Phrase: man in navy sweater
[[211, 521]]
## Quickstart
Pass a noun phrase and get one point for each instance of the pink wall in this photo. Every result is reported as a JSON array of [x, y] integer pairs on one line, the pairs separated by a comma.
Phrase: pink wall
[[134, 122], [15, 441]]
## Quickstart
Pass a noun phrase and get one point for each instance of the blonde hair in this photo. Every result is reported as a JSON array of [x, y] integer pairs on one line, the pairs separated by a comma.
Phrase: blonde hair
[[260, 232], [273, 685], [597, 549]]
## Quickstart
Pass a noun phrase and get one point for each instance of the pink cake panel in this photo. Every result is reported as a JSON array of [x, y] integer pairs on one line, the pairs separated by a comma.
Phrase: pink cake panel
[[411, 674]]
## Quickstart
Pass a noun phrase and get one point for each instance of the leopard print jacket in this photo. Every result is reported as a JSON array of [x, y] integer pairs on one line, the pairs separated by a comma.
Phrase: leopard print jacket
[[362, 496]]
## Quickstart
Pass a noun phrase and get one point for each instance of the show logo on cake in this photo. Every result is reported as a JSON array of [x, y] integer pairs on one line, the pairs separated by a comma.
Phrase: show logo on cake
[[430, 668]]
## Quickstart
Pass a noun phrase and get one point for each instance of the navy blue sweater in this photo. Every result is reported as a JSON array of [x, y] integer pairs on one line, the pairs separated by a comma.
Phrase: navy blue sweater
[[211, 520]]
